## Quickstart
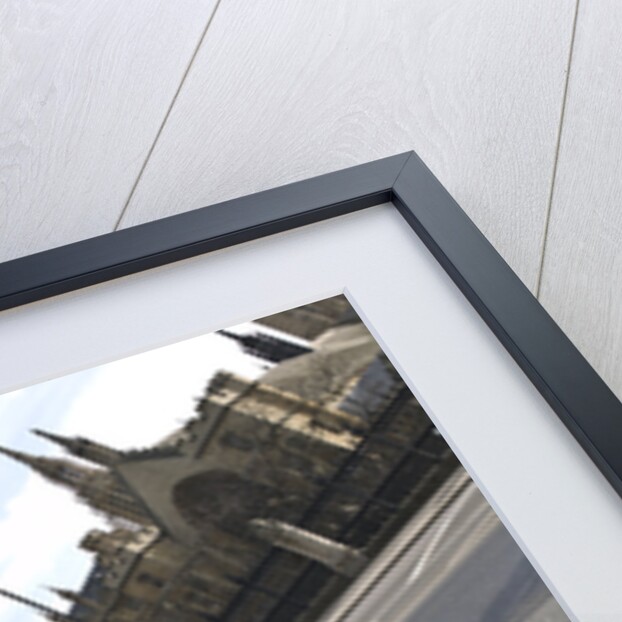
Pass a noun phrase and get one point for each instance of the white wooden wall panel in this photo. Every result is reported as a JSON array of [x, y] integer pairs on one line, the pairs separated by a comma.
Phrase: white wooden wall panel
[[582, 276], [84, 87], [282, 91]]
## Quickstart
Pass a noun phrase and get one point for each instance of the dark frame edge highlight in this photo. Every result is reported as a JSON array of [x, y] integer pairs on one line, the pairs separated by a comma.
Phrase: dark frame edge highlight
[[565, 379]]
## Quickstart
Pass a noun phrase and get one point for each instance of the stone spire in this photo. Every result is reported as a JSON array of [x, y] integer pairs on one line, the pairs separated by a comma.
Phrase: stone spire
[[99, 488], [75, 597], [47, 612], [54, 469], [267, 347], [84, 448]]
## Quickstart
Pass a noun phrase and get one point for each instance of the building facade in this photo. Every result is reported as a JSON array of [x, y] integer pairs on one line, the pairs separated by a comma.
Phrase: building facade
[[271, 499]]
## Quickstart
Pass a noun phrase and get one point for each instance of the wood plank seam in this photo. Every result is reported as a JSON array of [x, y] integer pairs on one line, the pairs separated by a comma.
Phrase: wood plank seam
[[167, 114], [547, 218]]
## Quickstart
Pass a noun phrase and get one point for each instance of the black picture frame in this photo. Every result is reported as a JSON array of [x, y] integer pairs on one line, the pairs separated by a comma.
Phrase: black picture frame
[[572, 388]]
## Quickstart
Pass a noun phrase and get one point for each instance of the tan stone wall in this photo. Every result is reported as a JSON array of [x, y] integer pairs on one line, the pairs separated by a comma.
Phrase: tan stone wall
[[310, 320]]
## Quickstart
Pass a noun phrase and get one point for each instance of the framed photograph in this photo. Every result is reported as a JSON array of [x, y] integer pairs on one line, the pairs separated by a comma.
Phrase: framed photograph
[[328, 401]]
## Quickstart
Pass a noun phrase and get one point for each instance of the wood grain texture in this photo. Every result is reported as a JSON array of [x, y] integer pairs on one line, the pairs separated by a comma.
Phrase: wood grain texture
[[84, 87], [582, 275], [283, 91]]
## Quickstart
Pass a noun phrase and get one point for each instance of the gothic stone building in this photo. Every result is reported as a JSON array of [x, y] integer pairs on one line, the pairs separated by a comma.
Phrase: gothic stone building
[[267, 503]]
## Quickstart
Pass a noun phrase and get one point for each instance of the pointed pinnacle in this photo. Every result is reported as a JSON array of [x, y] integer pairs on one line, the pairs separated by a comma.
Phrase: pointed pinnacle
[[67, 443], [55, 438], [83, 448], [48, 612], [62, 592], [74, 597], [53, 469], [17, 455], [229, 335]]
